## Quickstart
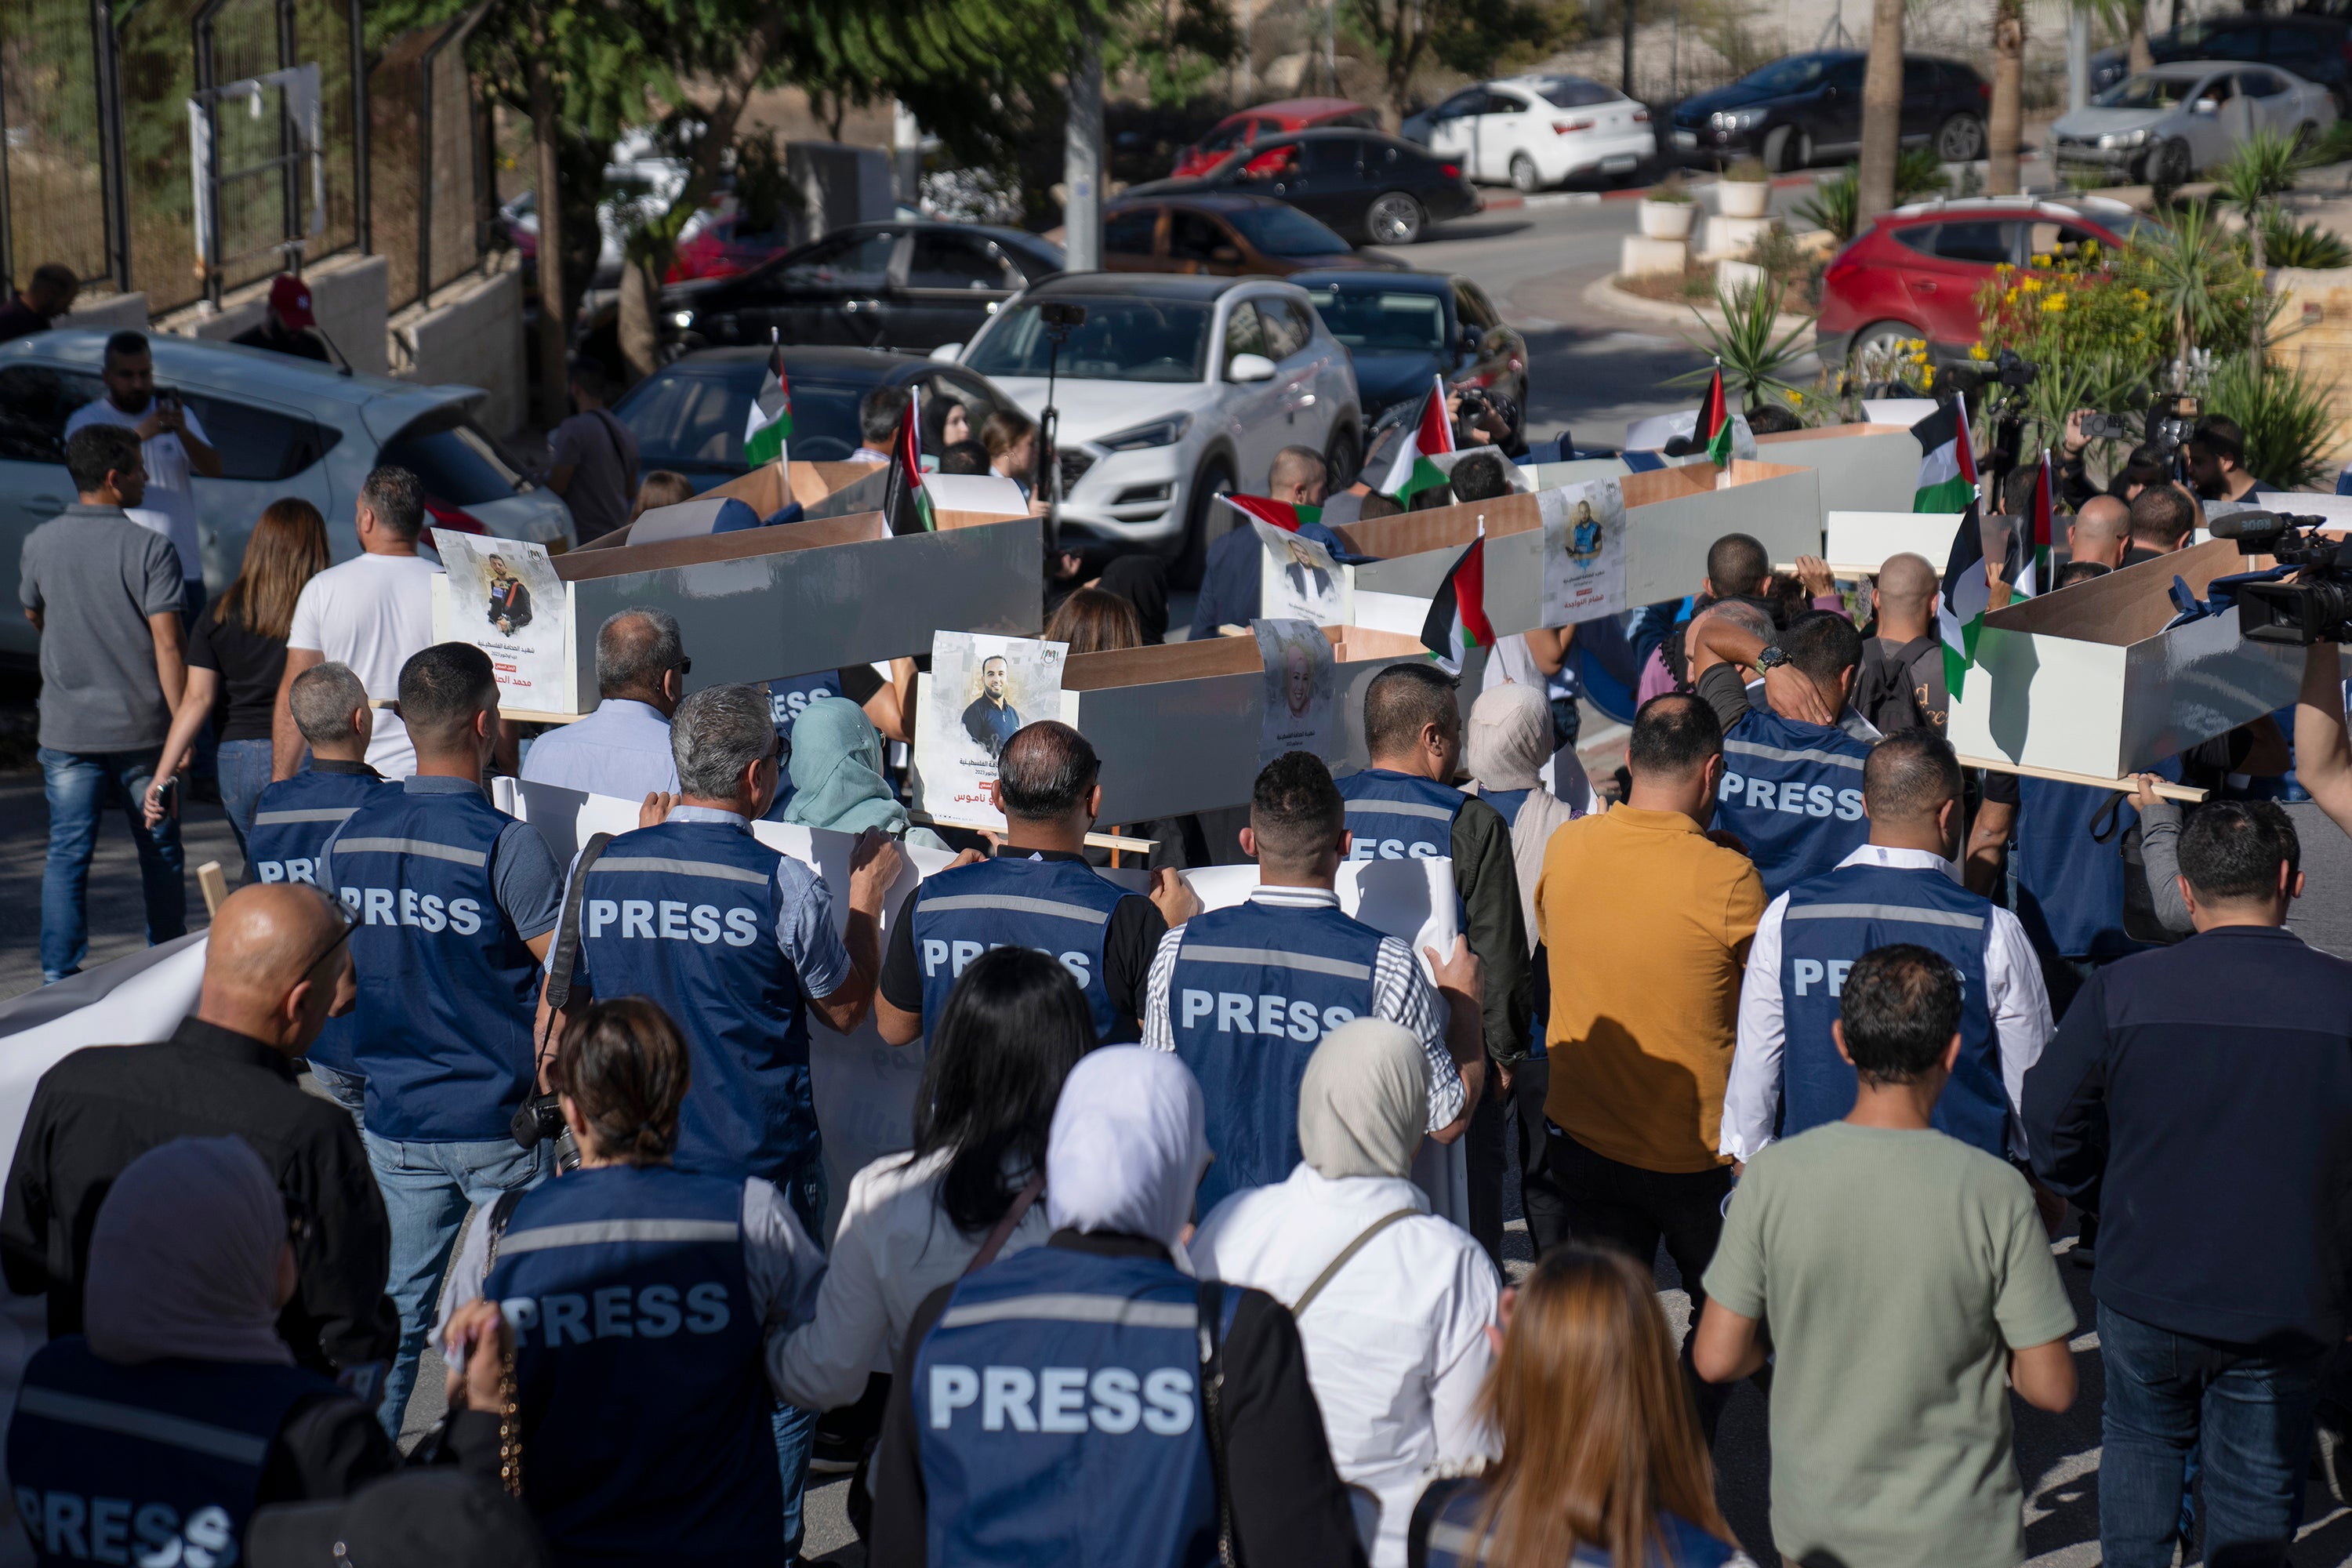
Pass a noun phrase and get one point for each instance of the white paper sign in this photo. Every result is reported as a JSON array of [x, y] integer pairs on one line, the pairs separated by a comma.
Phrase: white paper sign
[[1302, 687], [1584, 552], [506, 599], [1301, 582], [982, 689]]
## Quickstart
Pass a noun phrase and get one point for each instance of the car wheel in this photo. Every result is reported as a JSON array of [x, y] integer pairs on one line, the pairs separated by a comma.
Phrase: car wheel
[[1960, 140], [1340, 460], [1214, 479], [1784, 149], [1525, 177], [1880, 333], [1393, 218], [2170, 163], [2305, 134]]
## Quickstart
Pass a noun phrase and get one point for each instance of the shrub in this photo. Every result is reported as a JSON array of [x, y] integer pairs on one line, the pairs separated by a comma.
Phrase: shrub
[[1670, 189], [2290, 430], [2287, 243], [1833, 204], [1747, 172]]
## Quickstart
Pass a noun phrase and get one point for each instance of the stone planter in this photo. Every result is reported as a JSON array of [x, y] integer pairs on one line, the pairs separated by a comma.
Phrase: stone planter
[[1731, 277], [1743, 198], [1641, 256], [1668, 220]]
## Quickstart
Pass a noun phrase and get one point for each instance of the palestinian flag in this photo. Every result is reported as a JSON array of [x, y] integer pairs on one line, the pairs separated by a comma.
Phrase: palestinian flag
[[2029, 548], [907, 503], [1714, 427], [770, 422], [1411, 471], [1281, 514], [1948, 467], [1457, 616], [1960, 607]]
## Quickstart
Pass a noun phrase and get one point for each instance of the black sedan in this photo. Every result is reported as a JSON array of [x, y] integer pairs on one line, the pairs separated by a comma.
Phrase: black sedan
[[1404, 329], [1363, 184], [2316, 49], [1807, 109], [689, 416]]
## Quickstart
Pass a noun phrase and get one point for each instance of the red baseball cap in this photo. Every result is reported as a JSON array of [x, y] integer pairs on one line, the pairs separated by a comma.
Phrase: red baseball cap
[[290, 298]]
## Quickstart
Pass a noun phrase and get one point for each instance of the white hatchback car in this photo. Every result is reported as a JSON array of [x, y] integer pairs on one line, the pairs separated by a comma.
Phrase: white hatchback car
[[1175, 390], [1539, 130]]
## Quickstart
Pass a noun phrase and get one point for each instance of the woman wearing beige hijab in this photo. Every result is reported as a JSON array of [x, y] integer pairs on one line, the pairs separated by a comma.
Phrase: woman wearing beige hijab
[[1392, 1302]]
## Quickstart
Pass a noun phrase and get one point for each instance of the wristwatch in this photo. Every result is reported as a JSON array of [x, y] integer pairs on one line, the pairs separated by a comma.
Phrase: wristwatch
[[1772, 658]]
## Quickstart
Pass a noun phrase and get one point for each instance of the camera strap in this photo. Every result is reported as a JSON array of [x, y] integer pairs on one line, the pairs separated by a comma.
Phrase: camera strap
[[565, 954]]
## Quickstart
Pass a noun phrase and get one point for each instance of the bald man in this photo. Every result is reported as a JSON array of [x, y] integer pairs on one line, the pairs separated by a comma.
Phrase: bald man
[[2100, 532], [1232, 581], [275, 966], [1901, 686]]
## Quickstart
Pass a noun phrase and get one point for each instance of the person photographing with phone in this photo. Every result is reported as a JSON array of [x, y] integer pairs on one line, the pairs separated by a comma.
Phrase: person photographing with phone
[[173, 446]]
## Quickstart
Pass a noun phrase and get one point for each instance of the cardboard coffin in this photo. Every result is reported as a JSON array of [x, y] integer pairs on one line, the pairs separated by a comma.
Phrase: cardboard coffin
[[1860, 541], [1177, 726], [2087, 680], [1863, 467]]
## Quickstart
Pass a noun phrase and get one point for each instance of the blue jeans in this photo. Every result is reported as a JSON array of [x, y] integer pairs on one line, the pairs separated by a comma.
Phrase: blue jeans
[[808, 1191], [2246, 1416], [244, 775], [78, 785], [347, 1089], [427, 1188]]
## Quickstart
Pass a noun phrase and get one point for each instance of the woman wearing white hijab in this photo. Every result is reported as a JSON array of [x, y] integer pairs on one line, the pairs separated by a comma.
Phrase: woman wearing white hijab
[[1049, 1407], [178, 1395], [1396, 1335]]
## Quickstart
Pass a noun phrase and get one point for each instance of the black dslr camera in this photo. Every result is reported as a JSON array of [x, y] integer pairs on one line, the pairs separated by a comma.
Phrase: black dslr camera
[[2312, 606]]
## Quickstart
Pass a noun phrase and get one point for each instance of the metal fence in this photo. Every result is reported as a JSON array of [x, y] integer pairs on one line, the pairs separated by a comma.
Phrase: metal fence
[[432, 195]]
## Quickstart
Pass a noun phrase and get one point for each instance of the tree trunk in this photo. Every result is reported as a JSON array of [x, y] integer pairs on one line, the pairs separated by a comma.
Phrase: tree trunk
[[554, 303], [1882, 112], [2136, 44], [2008, 95], [640, 344], [1625, 51]]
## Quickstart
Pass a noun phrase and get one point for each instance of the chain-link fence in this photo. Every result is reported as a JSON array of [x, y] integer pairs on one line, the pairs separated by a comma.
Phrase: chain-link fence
[[53, 196], [432, 194]]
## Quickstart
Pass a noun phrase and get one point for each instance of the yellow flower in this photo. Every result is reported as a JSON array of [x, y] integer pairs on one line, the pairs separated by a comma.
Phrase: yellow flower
[[1796, 398], [1927, 378], [2054, 303], [2041, 261], [2010, 298], [1977, 351], [2030, 285]]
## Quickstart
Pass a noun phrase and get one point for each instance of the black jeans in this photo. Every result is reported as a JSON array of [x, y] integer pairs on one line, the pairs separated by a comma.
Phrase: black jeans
[[1486, 1163], [1541, 1199]]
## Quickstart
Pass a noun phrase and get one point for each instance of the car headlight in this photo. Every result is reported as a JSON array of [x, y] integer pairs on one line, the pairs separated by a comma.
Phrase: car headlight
[[1734, 119], [1159, 433], [681, 318]]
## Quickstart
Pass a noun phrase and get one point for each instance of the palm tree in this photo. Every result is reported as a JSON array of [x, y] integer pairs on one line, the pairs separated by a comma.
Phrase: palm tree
[[2008, 94], [1882, 112], [2264, 169]]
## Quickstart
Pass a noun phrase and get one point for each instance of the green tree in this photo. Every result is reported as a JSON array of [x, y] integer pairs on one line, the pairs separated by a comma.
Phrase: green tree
[[1466, 36]]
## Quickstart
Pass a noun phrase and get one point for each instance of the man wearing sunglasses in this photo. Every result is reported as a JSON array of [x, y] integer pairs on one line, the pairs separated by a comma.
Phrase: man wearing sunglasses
[[623, 748], [277, 962]]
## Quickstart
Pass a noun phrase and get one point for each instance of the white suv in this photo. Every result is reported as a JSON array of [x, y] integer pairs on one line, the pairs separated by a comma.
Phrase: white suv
[[1175, 390]]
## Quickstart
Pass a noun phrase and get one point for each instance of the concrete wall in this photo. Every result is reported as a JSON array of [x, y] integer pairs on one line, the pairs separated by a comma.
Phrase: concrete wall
[[113, 314], [2319, 340], [347, 295], [839, 183], [473, 334]]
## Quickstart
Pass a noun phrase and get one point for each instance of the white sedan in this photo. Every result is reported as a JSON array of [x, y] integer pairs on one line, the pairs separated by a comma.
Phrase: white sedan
[[1539, 130], [1175, 389]]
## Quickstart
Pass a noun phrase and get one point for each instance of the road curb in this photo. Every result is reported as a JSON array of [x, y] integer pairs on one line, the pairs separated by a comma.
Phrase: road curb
[[1542, 200]]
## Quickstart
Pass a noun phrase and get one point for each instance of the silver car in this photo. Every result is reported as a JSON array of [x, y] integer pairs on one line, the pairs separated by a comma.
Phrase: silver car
[[283, 427], [2166, 125]]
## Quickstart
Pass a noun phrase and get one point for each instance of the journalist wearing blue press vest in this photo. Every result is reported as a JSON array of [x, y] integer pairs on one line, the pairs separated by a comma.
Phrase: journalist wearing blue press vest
[[1903, 886], [1791, 786], [1089, 1401], [456, 904], [1037, 891], [640, 1297], [1245, 994], [295, 817], [1404, 806]]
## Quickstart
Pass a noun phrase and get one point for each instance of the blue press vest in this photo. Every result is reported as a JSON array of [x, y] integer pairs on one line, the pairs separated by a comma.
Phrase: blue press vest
[[2070, 886], [1060, 908], [685, 913], [1256, 987], [1058, 1403], [446, 987], [788, 695], [1400, 816], [1793, 793], [159, 1462], [639, 1379], [1455, 1540], [291, 822], [1830, 922]]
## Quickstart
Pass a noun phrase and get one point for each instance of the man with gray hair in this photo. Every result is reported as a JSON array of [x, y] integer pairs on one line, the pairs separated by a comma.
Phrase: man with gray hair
[[736, 942], [624, 747]]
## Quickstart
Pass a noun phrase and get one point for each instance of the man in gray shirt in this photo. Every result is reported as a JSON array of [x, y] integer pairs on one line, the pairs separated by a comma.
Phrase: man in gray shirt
[[595, 458], [104, 593]]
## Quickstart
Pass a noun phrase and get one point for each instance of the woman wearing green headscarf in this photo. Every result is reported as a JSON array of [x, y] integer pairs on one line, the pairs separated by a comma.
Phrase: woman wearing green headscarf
[[836, 773]]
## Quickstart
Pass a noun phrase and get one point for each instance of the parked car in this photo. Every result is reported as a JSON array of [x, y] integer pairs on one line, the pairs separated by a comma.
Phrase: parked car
[[725, 247], [1401, 329], [1807, 109], [1375, 188], [1539, 130], [283, 427], [1222, 233], [1245, 126], [1914, 273], [1173, 392], [891, 285], [2316, 49], [2163, 126], [689, 416]]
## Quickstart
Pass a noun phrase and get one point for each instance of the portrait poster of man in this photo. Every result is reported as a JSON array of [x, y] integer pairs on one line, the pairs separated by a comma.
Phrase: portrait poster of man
[[1584, 552], [1302, 583], [1301, 689], [506, 599], [982, 689]]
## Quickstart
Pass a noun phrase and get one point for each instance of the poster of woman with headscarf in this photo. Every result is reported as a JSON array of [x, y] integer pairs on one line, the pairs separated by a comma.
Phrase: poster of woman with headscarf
[[1301, 688]]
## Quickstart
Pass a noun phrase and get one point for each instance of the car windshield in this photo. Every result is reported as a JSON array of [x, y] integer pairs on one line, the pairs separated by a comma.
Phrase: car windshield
[[692, 418], [1120, 340], [1381, 319], [459, 463], [1793, 75], [1286, 231], [1572, 92], [2146, 92]]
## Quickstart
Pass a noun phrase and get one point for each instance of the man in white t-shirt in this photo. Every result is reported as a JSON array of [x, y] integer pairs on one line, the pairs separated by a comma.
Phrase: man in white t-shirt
[[171, 440], [371, 613]]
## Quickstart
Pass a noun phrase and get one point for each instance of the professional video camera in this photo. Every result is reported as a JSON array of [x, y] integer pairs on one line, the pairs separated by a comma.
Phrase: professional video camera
[[2007, 370], [2312, 606]]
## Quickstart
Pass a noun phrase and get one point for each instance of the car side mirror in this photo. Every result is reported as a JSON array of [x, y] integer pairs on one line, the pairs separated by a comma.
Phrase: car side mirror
[[1249, 367], [1225, 253], [947, 351]]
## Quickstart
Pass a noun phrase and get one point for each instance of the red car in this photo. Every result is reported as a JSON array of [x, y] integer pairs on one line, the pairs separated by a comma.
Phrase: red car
[[1245, 126], [1916, 271]]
